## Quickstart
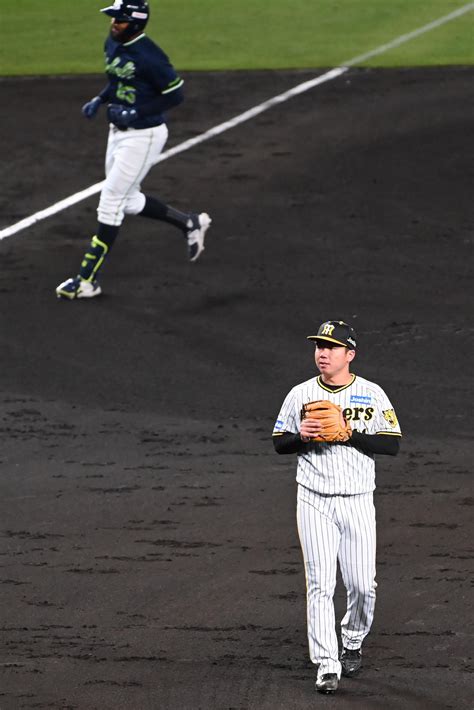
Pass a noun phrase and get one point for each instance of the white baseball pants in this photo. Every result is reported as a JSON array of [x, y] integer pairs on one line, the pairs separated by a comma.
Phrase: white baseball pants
[[130, 156], [332, 529]]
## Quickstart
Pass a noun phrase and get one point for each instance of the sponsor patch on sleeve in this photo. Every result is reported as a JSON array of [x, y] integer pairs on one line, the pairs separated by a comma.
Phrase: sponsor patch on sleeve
[[361, 399], [390, 416], [278, 425]]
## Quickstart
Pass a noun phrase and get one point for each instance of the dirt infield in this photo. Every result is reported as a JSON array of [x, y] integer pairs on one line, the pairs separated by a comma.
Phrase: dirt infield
[[149, 554]]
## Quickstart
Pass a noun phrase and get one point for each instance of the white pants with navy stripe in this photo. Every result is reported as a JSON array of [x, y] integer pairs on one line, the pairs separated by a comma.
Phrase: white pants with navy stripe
[[130, 156], [332, 529]]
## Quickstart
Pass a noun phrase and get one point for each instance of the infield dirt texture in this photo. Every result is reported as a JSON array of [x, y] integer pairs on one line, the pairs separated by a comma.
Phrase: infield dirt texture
[[149, 554]]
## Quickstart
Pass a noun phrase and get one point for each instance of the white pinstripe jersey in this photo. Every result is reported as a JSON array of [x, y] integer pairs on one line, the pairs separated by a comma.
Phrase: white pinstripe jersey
[[335, 469]]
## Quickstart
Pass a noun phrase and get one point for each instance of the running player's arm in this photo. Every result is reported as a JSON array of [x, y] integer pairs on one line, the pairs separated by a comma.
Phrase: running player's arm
[[107, 93], [166, 82], [169, 98]]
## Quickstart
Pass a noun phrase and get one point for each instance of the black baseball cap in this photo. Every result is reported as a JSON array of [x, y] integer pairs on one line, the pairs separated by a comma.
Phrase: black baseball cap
[[338, 332]]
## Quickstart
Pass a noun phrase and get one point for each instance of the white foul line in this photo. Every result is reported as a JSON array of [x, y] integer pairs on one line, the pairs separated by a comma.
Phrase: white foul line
[[411, 35], [241, 118]]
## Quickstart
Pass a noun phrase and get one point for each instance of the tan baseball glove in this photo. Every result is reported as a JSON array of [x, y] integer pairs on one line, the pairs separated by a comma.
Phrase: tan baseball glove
[[335, 427]]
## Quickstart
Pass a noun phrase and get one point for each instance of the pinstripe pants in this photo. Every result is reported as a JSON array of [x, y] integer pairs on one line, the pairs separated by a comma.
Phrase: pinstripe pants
[[332, 529]]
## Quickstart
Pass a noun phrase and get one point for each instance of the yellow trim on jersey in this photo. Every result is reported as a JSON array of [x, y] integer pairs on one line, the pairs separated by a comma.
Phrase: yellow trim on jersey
[[390, 433], [342, 387], [279, 433]]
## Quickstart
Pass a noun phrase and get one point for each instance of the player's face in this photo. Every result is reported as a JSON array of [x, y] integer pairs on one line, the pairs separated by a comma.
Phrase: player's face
[[117, 29], [332, 360]]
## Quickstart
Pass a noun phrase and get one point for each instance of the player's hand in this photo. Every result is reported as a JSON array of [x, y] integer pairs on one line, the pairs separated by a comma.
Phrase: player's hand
[[309, 429], [91, 107], [121, 116]]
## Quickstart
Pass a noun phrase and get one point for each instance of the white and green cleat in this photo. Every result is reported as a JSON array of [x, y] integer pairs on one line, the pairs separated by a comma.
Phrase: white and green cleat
[[78, 288]]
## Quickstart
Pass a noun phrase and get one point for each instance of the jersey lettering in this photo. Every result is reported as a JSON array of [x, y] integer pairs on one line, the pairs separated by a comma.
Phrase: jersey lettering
[[125, 72], [355, 414]]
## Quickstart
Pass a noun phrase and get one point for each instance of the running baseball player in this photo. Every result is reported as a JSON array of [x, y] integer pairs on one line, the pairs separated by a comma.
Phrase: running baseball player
[[142, 85], [336, 423]]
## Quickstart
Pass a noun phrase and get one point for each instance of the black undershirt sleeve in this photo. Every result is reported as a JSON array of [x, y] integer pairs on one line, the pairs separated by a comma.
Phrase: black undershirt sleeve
[[289, 443], [375, 443]]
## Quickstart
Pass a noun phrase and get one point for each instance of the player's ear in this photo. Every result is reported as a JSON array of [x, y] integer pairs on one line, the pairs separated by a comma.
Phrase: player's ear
[[351, 355]]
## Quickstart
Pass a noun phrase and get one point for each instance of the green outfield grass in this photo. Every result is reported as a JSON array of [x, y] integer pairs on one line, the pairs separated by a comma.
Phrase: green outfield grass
[[66, 37]]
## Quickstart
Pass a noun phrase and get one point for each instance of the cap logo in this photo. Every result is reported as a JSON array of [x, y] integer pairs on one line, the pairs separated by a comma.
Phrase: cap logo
[[351, 341], [327, 329]]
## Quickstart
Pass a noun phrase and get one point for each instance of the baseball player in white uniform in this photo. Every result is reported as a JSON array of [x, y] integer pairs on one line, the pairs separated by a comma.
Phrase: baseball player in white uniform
[[335, 508]]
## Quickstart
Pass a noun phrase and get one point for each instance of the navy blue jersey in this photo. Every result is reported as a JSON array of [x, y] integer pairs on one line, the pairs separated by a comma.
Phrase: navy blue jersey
[[140, 76]]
